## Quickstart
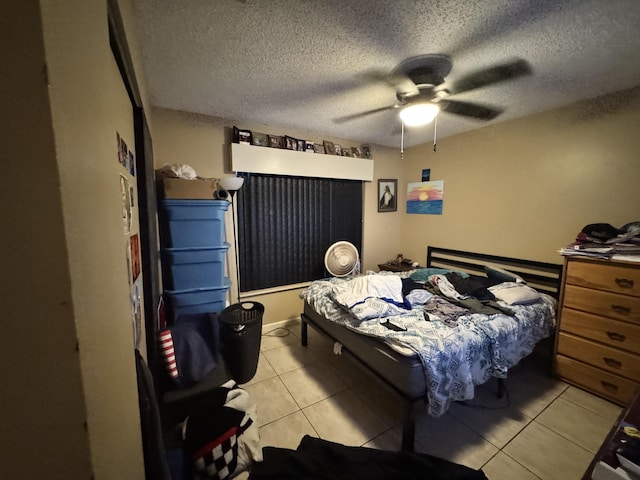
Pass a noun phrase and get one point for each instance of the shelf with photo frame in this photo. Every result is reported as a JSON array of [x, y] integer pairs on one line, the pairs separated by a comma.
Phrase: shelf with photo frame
[[248, 137], [281, 161]]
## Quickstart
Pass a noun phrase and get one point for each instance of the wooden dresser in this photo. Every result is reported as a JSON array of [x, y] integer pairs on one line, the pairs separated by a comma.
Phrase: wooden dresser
[[598, 336]]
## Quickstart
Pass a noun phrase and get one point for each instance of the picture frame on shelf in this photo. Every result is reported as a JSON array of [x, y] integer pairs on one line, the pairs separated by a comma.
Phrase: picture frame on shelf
[[387, 195], [290, 143], [329, 147], [276, 141], [338, 149], [318, 148], [241, 136], [366, 150], [260, 139], [310, 147], [244, 137], [302, 145]]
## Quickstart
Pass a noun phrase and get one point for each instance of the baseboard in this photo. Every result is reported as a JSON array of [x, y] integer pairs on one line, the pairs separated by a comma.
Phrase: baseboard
[[291, 322]]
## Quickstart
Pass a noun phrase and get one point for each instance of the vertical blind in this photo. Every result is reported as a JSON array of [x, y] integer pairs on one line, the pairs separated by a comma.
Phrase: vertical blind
[[286, 224]]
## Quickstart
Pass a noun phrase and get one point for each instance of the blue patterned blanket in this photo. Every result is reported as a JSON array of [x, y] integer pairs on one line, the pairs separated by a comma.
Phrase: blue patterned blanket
[[455, 359]]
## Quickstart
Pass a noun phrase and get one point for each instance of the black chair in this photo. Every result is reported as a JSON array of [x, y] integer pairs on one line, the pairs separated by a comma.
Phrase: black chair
[[164, 458]]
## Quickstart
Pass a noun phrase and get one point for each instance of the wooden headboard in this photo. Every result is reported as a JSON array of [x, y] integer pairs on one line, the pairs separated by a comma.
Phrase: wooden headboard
[[544, 277]]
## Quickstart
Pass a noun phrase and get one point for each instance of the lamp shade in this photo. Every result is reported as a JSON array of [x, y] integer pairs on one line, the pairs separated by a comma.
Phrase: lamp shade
[[419, 114], [231, 184]]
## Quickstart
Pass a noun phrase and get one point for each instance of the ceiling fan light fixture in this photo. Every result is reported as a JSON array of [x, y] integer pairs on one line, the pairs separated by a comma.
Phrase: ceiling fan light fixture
[[419, 114]]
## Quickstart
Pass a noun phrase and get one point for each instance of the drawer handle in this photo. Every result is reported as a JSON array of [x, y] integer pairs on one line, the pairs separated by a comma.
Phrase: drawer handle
[[616, 336], [612, 362], [624, 282], [609, 386], [621, 309]]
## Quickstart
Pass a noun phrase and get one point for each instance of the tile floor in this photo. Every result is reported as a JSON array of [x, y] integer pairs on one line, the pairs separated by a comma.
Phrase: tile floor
[[546, 430]]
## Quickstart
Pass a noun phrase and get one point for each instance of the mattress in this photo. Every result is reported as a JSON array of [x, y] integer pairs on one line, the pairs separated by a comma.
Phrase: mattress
[[399, 368]]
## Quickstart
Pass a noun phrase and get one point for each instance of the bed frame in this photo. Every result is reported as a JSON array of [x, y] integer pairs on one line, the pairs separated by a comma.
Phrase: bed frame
[[545, 277]]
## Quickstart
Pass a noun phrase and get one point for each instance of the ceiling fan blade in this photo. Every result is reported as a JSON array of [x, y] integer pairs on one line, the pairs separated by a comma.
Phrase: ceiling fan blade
[[354, 116], [403, 85], [466, 109], [496, 74], [399, 81]]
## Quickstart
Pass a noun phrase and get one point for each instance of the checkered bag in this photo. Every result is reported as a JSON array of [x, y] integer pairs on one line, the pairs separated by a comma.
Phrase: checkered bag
[[221, 434], [218, 459]]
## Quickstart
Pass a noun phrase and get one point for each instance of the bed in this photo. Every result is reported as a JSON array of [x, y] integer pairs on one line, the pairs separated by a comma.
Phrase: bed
[[438, 357]]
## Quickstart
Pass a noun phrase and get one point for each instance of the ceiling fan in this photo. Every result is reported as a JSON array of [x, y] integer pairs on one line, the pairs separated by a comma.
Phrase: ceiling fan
[[421, 93]]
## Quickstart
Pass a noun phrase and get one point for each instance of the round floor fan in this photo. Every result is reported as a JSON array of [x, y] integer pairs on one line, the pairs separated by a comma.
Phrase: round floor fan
[[342, 259]]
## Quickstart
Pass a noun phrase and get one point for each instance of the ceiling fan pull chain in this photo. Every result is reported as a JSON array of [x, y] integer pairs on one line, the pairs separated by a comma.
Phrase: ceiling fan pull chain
[[402, 141], [435, 132]]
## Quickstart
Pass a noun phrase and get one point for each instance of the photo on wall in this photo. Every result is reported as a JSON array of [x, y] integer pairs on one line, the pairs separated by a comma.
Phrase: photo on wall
[[134, 253], [125, 193], [387, 193]]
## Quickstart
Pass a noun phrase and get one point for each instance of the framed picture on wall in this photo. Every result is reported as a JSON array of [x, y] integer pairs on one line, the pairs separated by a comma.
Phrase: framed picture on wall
[[387, 195]]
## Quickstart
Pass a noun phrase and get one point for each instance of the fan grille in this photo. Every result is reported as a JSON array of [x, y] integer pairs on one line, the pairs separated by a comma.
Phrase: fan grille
[[341, 259]]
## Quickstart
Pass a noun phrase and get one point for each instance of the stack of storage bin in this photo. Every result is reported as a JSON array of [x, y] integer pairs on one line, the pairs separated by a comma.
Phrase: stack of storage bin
[[193, 253]]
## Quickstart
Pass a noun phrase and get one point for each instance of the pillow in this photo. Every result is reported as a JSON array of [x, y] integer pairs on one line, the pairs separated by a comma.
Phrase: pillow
[[514, 293], [500, 275]]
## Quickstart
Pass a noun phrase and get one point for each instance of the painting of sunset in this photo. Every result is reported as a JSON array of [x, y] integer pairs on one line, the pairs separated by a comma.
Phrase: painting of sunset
[[425, 197]]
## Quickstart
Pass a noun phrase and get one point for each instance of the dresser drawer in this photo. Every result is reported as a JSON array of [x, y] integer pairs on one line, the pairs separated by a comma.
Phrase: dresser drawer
[[607, 358], [613, 387], [601, 329], [604, 276], [612, 305]]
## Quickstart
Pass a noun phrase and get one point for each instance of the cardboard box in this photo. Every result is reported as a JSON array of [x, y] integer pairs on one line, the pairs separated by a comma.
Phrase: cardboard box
[[180, 188]]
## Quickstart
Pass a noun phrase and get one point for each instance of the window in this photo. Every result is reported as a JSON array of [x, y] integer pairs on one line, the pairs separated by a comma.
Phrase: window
[[285, 225]]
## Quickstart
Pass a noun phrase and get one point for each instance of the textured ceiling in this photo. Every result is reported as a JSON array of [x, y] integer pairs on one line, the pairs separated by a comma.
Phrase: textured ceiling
[[303, 64]]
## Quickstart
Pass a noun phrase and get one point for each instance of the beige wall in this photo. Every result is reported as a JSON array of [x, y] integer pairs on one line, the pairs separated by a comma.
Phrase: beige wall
[[86, 101], [202, 142], [525, 188], [43, 409], [70, 406]]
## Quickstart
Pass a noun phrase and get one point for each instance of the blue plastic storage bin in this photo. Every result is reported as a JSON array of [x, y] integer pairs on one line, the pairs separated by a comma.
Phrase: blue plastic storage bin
[[193, 267], [198, 300], [192, 223]]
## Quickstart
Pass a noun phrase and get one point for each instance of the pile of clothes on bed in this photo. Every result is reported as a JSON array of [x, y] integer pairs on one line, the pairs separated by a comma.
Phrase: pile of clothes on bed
[[465, 328]]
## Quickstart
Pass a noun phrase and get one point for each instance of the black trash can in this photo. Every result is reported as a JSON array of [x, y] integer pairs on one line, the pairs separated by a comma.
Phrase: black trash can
[[240, 334]]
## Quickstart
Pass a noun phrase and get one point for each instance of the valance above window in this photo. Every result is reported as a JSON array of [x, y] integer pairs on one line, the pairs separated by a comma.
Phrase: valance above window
[[276, 161]]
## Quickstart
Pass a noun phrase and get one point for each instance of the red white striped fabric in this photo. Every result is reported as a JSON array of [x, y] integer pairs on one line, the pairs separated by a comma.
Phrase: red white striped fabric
[[168, 353]]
